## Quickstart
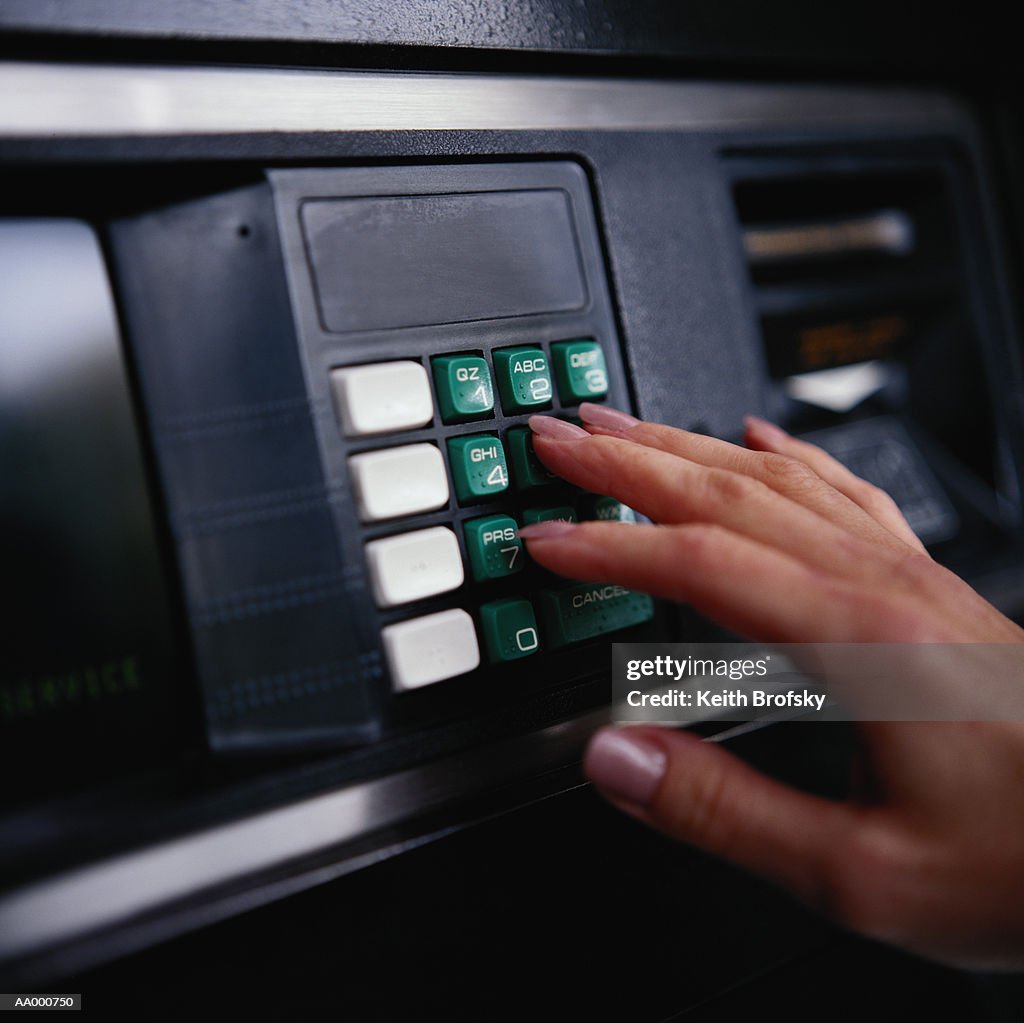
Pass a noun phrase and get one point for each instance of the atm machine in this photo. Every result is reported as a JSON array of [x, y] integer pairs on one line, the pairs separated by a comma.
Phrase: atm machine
[[288, 719]]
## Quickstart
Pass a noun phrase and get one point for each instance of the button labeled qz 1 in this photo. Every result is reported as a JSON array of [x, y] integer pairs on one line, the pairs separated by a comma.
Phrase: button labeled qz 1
[[510, 630], [524, 381], [464, 390], [494, 547], [580, 370], [479, 468]]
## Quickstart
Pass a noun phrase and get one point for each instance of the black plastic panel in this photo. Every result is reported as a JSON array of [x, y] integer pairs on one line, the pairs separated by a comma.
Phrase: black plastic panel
[[279, 656]]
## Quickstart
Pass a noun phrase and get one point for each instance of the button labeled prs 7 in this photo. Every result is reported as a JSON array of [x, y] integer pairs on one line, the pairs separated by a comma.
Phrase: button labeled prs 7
[[524, 381], [382, 398], [580, 370], [414, 566], [479, 468], [464, 388], [398, 481], [494, 547]]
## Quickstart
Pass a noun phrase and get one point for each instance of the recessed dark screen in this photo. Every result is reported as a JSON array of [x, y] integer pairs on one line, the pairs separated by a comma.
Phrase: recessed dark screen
[[88, 671]]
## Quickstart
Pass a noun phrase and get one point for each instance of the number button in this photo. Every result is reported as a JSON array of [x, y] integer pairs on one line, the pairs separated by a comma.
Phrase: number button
[[606, 509], [528, 469], [510, 630], [494, 547], [479, 468], [464, 389], [524, 380], [580, 370], [562, 513]]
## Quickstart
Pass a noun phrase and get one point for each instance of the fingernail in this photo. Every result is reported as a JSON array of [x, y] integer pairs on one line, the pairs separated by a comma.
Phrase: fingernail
[[609, 418], [556, 429], [624, 765], [546, 530], [767, 430]]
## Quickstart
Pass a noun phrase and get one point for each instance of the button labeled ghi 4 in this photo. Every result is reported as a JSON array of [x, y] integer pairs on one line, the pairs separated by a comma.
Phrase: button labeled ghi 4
[[464, 390], [580, 370], [479, 469], [494, 547], [524, 380]]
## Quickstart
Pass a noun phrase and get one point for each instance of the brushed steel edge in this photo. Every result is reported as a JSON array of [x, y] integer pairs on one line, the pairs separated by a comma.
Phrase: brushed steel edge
[[41, 100]]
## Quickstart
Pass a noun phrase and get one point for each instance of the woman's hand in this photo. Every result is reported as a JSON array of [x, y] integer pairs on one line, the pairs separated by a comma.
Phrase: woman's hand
[[781, 543]]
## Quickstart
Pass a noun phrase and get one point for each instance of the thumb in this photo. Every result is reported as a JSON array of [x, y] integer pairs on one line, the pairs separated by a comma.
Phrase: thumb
[[699, 793]]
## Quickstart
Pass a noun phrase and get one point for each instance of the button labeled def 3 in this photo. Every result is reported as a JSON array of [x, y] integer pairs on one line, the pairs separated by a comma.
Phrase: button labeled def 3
[[580, 370]]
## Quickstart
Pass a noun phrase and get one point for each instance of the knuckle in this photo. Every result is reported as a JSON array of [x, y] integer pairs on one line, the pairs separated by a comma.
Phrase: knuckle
[[862, 885], [790, 474], [700, 813], [699, 542], [724, 487], [876, 501]]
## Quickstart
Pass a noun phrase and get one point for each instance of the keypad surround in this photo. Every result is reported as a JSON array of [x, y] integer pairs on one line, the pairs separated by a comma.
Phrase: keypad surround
[[590, 317]]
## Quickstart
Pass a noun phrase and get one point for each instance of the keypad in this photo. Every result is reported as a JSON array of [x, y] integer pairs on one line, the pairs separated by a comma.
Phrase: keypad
[[445, 437]]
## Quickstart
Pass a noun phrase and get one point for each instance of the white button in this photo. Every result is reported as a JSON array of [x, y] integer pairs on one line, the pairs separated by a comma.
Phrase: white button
[[382, 398], [414, 566], [399, 481], [429, 649]]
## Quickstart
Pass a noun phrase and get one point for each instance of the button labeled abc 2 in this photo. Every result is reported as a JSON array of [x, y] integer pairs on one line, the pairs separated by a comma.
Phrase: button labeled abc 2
[[524, 380]]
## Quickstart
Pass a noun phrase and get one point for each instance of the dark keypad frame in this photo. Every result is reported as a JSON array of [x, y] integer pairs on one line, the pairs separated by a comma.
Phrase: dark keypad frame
[[490, 686]]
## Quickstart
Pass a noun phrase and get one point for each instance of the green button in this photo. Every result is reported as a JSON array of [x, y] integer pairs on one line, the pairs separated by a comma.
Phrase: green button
[[524, 381], [561, 514], [580, 370], [479, 468], [606, 509], [591, 609], [494, 547], [463, 384], [510, 629], [527, 468]]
